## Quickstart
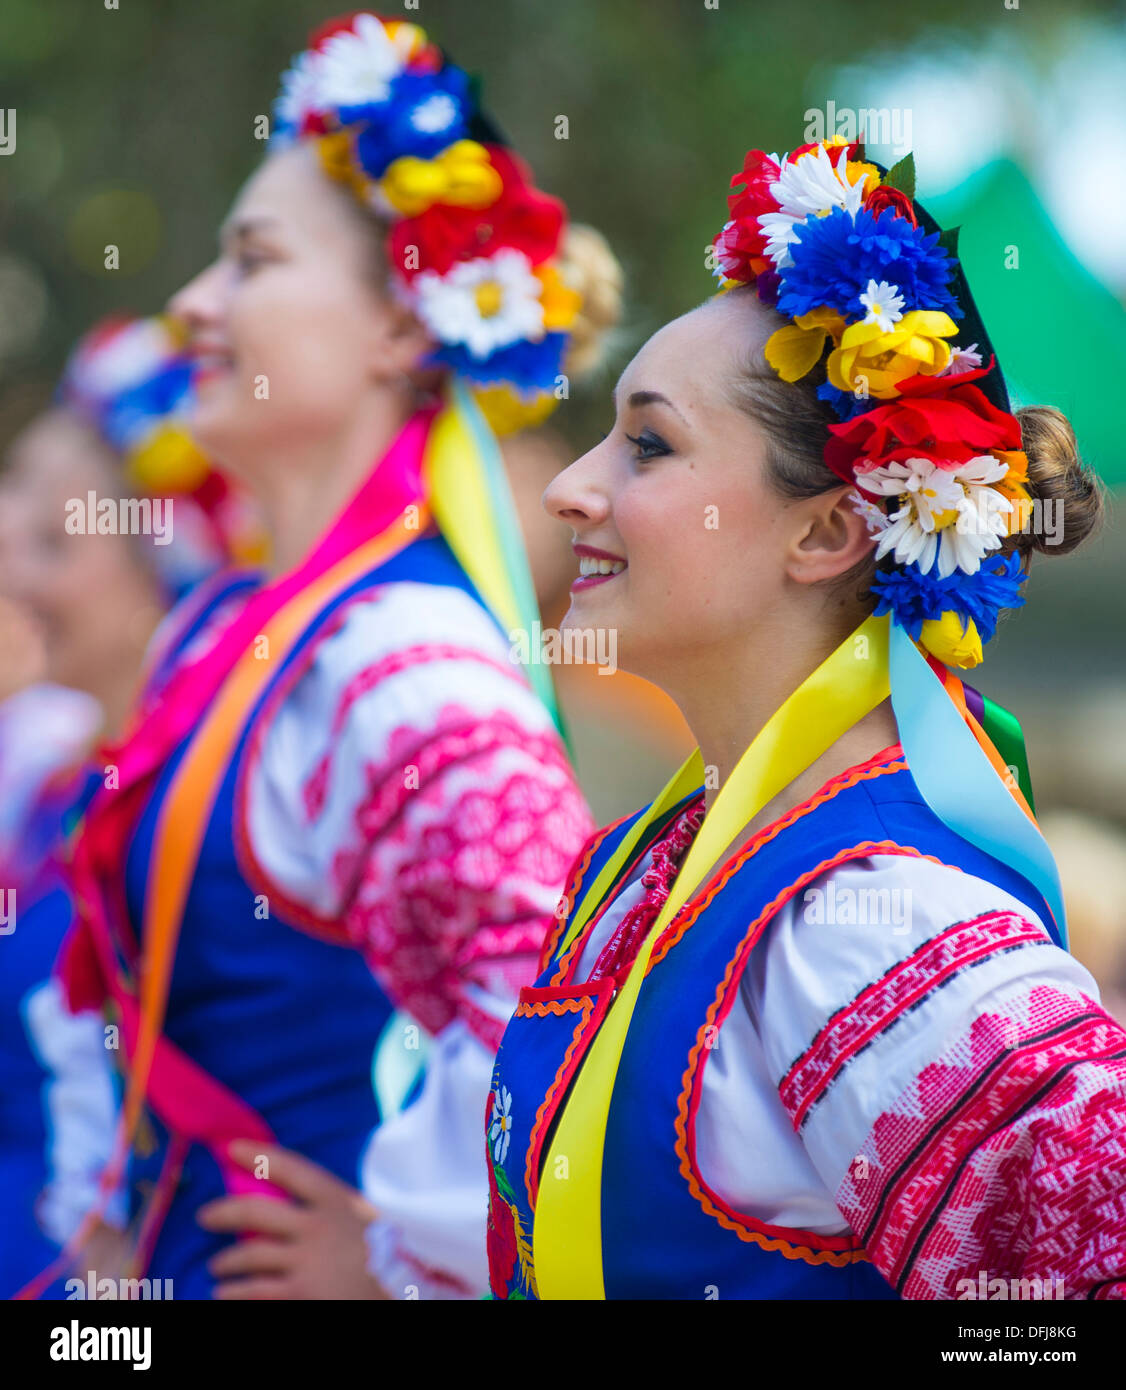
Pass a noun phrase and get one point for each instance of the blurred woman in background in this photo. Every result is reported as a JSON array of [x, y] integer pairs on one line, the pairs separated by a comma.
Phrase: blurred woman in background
[[342, 797], [88, 603]]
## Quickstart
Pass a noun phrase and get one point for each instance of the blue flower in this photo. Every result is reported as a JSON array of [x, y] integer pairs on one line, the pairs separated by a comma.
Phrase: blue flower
[[527, 366], [423, 113], [912, 597], [835, 257], [846, 403], [131, 413]]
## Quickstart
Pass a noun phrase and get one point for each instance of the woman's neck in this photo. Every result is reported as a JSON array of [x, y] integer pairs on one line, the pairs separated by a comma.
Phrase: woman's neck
[[311, 481], [732, 696]]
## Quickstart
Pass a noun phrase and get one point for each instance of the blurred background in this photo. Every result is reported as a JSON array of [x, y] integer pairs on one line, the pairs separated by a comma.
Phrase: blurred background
[[136, 126]]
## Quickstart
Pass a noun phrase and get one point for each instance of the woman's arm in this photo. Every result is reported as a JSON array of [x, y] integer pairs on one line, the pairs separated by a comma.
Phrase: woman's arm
[[955, 1082]]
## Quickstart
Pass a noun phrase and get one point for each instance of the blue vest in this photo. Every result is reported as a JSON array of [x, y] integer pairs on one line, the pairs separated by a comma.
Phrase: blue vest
[[45, 912], [286, 1019], [665, 1235]]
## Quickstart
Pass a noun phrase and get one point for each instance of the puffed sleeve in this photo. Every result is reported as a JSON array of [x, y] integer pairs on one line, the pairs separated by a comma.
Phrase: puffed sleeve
[[953, 1078], [80, 1103], [435, 819]]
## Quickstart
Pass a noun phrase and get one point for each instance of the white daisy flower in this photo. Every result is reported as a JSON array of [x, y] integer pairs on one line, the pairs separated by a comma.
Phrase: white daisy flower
[[435, 114], [961, 360], [486, 304], [500, 1127], [808, 186], [949, 517], [876, 520], [357, 66], [298, 96], [884, 304], [125, 359]]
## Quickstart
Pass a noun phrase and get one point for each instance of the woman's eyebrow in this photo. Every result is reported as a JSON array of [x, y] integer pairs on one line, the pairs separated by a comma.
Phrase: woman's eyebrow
[[647, 398], [243, 227]]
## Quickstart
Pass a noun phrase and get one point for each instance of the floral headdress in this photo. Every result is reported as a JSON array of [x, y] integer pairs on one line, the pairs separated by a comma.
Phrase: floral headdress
[[473, 242], [129, 380], [872, 288]]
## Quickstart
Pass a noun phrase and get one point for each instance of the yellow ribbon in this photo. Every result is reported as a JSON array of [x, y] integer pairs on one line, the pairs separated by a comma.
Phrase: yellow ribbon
[[848, 685]]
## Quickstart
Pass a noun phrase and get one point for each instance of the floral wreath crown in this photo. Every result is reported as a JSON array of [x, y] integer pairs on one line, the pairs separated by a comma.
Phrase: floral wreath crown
[[129, 380], [473, 242], [838, 246]]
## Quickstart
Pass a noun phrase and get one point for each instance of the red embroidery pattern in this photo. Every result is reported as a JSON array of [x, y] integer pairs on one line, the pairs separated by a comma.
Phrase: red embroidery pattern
[[457, 894], [571, 891], [1006, 1156], [364, 681], [625, 940], [872, 1012]]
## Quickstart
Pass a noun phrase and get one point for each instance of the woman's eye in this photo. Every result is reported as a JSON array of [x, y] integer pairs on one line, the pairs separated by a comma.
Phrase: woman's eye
[[248, 261], [649, 445]]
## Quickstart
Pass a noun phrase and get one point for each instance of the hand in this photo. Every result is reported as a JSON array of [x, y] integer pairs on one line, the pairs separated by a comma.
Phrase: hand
[[106, 1252], [313, 1247]]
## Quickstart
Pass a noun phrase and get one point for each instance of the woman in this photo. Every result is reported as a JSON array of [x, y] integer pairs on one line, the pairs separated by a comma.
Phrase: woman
[[89, 602], [340, 797], [808, 1030]]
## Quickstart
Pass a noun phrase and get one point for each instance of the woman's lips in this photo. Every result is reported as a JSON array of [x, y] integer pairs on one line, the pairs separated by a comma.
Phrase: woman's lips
[[596, 567], [208, 364]]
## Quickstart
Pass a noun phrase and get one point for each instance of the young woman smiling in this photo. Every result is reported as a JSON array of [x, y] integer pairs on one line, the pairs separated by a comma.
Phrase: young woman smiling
[[341, 798], [809, 1029]]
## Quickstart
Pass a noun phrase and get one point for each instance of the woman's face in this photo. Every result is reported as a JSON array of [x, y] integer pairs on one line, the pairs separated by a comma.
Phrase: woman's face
[[90, 597], [706, 555], [289, 328]]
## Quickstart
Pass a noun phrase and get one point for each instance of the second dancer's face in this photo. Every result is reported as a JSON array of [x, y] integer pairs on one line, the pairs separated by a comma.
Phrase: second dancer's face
[[290, 328], [689, 548]]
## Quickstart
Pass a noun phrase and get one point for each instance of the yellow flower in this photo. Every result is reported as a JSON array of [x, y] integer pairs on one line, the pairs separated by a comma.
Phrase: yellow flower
[[168, 461], [914, 344], [560, 302], [855, 170], [507, 412], [954, 646], [339, 162], [794, 350], [1014, 486], [462, 175]]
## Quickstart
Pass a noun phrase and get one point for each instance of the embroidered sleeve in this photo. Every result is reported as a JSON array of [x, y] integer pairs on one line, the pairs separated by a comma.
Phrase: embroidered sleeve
[[433, 817], [411, 789], [954, 1080]]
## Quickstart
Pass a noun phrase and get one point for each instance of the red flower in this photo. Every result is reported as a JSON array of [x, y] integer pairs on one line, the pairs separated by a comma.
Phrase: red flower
[[500, 1238], [948, 430], [522, 217], [341, 24], [883, 197], [742, 246], [853, 151]]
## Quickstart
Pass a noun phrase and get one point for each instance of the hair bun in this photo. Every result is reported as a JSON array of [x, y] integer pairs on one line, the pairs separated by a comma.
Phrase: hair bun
[[1057, 475], [589, 266]]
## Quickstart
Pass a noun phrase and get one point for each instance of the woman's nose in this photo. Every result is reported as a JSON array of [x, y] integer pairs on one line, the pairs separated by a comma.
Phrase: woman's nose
[[199, 302], [578, 493]]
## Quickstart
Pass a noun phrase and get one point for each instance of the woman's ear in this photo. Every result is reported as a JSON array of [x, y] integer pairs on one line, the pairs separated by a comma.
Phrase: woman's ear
[[400, 343], [832, 538]]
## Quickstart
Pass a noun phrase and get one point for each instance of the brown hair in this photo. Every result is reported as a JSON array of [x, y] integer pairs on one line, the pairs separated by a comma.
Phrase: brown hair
[[795, 422]]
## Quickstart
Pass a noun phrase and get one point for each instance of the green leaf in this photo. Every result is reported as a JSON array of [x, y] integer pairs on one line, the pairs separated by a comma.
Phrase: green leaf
[[503, 1184], [948, 240], [902, 176]]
